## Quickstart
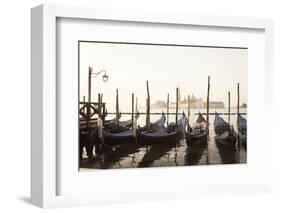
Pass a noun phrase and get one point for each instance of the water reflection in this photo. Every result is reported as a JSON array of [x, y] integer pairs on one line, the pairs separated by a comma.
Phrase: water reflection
[[155, 152], [228, 154], [194, 153], [174, 154], [112, 157]]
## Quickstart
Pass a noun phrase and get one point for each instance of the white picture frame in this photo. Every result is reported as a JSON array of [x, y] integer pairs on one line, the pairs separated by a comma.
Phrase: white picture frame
[[44, 83]]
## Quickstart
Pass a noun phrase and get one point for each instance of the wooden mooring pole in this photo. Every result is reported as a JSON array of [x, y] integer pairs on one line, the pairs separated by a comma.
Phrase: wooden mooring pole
[[228, 107], [89, 97], [99, 105], [208, 100], [117, 107], [177, 106], [148, 107], [238, 105], [136, 104], [99, 120], [103, 109], [188, 107], [84, 99], [133, 98], [188, 114], [168, 105]]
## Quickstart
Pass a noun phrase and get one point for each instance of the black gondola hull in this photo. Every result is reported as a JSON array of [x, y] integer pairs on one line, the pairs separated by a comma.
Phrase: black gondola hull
[[148, 139], [115, 139], [229, 141], [194, 139]]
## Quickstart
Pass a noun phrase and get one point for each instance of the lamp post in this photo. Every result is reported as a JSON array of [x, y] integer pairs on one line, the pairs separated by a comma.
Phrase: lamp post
[[93, 74]]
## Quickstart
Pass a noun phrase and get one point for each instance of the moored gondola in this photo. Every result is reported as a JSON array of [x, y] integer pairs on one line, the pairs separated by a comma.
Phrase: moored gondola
[[113, 120], [224, 132], [127, 136], [172, 134], [121, 126], [198, 133], [115, 125], [115, 139], [158, 124]]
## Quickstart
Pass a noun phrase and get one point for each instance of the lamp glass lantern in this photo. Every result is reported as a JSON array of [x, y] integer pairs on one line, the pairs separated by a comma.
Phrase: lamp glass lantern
[[105, 77]]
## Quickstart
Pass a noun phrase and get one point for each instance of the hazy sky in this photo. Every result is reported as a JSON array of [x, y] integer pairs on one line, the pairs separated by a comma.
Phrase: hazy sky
[[129, 66]]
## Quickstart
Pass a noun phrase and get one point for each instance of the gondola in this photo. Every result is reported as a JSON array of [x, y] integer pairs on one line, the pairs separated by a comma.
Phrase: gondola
[[154, 125], [198, 133], [224, 132], [119, 138], [242, 129], [127, 136], [107, 123], [115, 127], [113, 120], [172, 134]]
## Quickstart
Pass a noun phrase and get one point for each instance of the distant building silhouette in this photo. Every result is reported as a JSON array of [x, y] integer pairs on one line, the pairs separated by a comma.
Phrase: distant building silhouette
[[215, 104], [195, 103]]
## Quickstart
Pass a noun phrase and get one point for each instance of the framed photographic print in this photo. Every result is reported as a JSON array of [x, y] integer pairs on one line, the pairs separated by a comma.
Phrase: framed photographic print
[[149, 106]]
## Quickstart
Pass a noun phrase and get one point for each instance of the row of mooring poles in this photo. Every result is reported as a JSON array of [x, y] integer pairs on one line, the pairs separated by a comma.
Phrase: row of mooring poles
[[168, 103], [148, 106], [118, 111]]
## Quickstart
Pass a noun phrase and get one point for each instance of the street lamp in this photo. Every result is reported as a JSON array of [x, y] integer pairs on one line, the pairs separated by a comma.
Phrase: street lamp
[[93, 74]]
